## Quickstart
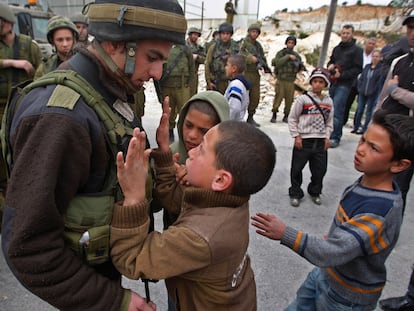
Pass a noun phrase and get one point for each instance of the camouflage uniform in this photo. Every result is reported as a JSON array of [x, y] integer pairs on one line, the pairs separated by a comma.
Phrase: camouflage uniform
[[250, 48], [178, 79], [198, 50], [285, 70], [55, 23], [216, 61]]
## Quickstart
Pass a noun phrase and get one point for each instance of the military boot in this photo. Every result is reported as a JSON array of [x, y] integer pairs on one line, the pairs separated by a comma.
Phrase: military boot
[[273, 119], [251, 121]]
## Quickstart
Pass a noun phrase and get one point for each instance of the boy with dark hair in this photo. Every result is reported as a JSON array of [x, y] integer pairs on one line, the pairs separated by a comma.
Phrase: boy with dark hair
[[198, 115], [203, 256], [350, 260], [310, 124], [237, 92]]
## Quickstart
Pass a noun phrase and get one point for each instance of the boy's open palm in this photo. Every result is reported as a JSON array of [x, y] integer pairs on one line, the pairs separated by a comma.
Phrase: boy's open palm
[[268, 225], [132, 173]]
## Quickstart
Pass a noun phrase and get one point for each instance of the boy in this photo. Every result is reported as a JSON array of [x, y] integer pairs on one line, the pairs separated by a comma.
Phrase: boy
[[351, 258], [310, 124], [237, 92], [198, 115], [203, 255]]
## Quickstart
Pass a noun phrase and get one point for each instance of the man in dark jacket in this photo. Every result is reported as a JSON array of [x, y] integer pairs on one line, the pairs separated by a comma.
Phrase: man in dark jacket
[[344, 66], [63, 173]]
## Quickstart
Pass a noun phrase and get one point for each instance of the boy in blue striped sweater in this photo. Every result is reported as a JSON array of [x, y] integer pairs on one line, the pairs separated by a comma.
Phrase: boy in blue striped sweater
[[350, 260]]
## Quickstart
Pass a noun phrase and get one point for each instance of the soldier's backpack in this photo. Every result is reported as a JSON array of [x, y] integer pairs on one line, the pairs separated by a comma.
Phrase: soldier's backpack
[[87, 219]]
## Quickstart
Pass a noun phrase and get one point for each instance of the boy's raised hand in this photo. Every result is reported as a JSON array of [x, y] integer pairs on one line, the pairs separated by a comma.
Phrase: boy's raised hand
[[132, 173], [162, 134], [268, 225]]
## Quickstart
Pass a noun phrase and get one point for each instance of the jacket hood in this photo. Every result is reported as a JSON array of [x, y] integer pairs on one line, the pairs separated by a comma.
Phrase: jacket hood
[[247, 84], [216, 100]]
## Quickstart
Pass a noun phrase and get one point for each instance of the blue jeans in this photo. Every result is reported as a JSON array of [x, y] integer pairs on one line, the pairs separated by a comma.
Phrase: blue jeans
[[339, 95], [316, 295], [369, 102]]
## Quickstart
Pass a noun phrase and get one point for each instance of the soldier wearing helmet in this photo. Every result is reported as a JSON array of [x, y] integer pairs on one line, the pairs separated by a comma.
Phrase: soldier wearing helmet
[[63, 182], [62, 35], [255, 60], [287, 63], [19, 58], [81, 21], [217, 56], [199, 55]]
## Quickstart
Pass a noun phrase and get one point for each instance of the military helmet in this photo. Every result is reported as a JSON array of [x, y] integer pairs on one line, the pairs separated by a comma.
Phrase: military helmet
[[58, 22], [133, 20], [254, 27], [6, 13], [226, 27], [80, 18], [194, 30], [293, 38]]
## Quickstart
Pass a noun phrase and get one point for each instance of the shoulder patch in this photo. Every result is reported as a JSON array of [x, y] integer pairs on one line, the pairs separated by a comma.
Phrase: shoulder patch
[[63, 97]]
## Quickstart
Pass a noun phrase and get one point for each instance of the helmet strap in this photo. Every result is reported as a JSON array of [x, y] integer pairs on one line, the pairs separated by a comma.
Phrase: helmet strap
[[130, 58], [121, 76]]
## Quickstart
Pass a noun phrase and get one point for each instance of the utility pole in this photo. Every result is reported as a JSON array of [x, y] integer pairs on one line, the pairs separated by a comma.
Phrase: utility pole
[[327, 34]]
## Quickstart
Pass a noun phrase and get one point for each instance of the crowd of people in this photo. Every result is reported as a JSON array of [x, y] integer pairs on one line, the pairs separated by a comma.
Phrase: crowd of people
[[80, 182]]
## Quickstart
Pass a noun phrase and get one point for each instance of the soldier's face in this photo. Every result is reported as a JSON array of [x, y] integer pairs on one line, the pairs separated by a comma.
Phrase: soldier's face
[[194, 37], [63, 40], [225, 36], [83, 31], [149, 57], [253, 34], [5, 27]]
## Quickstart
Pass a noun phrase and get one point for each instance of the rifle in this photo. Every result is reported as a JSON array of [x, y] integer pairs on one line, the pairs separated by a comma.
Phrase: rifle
[[262, 64]]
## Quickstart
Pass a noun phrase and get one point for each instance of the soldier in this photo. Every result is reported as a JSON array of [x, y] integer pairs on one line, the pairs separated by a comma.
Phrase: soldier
[[216, 59], [62, 35], [81, 21], [287, 64], [256, 60], [177, 81], [199, 55], [230, 11], [64, 138], [19, 59]]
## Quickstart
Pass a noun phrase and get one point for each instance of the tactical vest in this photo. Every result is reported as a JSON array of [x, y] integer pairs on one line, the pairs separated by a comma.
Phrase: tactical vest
[[10, 77], [221, 53], [88, 216]]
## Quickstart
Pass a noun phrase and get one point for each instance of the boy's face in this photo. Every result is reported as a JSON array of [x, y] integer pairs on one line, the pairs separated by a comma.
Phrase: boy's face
[[229, 69], [374, 152], [195, 126], [318, 84], [201, 162]]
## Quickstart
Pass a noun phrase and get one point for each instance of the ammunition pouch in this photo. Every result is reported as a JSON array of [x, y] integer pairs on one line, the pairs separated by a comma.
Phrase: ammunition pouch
[[87, 227]]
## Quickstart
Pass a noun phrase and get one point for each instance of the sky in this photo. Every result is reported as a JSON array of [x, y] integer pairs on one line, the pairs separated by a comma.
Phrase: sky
[[268, 7]]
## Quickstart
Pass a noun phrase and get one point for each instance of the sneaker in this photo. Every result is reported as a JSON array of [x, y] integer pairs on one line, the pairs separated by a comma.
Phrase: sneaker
[[294, 202], [317, 200], [273, 119], [359, 132], [333, 143]]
